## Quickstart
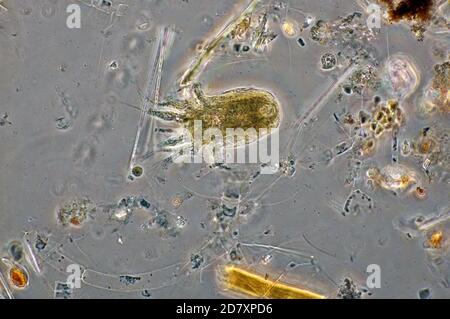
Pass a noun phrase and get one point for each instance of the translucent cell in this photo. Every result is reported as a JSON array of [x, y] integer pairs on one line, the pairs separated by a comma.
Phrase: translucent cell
[[401, 75]]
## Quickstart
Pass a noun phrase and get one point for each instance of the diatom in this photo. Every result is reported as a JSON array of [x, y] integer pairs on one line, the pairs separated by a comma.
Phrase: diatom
[[290, 28], [436, 239], [18, 277], [255, 285]]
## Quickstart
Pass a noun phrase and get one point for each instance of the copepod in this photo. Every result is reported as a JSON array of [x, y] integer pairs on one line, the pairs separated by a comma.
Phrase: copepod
[[239, 108]]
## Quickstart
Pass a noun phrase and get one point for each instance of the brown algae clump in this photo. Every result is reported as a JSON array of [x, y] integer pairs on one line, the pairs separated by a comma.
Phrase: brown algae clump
[[412, 10], [386, 117], [436, 95], [417, 13], [75, 213]]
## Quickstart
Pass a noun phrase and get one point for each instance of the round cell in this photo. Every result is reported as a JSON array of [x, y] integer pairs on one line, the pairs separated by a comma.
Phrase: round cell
[[137, 171], [15, 250], [48, 11], [290, 28], [18, 277], [401, 75], [206, 21], [113, 65], [327, 61]]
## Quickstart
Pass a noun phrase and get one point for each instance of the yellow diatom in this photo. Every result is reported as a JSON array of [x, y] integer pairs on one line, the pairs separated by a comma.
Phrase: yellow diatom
[[289, 28], [253, 284], [241, 28], [435, 239]]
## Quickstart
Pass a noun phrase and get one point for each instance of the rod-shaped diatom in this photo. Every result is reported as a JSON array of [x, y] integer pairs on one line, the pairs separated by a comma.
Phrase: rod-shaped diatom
[[208, 50], [152, 91], [252, 284]]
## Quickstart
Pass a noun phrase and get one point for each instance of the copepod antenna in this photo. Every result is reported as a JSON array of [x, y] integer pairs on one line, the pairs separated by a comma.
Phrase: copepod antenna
[[152, 91]]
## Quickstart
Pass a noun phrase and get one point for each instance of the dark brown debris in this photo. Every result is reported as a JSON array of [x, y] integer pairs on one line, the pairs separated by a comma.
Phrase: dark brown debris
[[414, 10]]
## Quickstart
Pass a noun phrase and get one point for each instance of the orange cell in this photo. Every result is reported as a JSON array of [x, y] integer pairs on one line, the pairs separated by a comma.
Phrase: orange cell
[[436, 239], [18, 277]]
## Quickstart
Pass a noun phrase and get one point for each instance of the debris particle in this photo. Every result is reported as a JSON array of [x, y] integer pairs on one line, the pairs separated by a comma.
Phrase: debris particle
[[128, 279], [348, 290], [417, 10], [435, 240]]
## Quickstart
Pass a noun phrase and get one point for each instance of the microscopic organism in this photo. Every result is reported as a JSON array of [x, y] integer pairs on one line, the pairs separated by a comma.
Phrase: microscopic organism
[[237, 108], [401, 76], [436, 96], [17, 274], [252, 284], [15, 250], [290, 28], [393, 177], [75, 213]]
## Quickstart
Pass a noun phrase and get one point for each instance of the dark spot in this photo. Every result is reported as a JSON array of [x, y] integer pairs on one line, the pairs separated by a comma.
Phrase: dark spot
[[347, 90], [424, 293], [376, 99], [419, 10], [137, 171], [348, 290]]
